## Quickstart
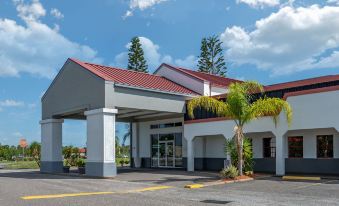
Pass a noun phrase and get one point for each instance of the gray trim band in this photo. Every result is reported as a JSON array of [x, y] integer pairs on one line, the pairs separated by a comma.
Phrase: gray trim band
[[101, 169], [51, 167]]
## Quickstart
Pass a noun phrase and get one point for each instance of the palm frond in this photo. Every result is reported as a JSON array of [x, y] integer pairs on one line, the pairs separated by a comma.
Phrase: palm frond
[[271, 107], [209, 103]]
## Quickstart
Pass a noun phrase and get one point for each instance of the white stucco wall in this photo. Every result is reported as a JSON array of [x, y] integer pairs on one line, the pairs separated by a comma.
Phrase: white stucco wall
[[310, 141], [218, 90], [182, 79]]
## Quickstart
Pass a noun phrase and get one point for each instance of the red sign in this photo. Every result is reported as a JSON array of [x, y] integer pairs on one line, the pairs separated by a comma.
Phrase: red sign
[[23, 143]]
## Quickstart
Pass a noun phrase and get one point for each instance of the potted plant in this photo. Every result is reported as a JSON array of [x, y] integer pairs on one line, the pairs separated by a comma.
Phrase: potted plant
[[126, 161], [66, 167], [122, 162], [81, 166]]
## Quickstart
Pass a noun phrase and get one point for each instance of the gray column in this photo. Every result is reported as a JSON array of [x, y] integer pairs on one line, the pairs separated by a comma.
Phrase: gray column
[[190, 155], [135, 145], [101, 143], [280, 154], [51, 145]]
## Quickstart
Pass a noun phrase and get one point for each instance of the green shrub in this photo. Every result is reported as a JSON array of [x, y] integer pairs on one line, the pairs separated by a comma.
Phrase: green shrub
[[229, 172], [66, 163], [126, 161], [231, 148], [122, 162], [81, 163]]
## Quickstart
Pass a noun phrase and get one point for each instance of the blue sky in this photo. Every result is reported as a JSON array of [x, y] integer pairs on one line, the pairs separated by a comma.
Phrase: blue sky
[[268, 40]]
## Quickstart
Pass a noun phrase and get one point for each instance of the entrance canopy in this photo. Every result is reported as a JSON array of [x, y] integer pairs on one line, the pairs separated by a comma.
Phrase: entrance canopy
[[103, 95], [81, 86]]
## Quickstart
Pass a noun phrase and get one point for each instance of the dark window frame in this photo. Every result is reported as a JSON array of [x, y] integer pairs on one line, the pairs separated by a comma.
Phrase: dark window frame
[[166, 125], [270, 147], [295, 147], [330, 154]]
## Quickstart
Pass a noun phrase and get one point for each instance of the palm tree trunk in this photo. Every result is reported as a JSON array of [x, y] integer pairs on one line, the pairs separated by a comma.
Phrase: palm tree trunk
[[240, 149]]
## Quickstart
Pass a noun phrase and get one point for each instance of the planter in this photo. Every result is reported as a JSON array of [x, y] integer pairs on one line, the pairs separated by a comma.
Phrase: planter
[[81, 170], [66, 169]]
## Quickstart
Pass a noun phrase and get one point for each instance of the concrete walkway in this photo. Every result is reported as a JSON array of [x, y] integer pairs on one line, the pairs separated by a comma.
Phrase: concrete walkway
[[177, 178]]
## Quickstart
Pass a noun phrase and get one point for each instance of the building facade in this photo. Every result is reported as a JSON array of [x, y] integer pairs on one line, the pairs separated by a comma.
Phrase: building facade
[[163, 136]]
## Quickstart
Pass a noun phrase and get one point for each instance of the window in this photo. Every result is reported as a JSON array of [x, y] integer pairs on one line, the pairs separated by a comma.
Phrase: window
[[295, 146], [325, 146], [269, 147], [166, 125]]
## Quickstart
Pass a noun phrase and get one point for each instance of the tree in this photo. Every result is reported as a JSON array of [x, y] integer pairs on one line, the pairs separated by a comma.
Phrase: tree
[[211, 59], [242, 107], [231, 149], [35, 151], [136, 60]]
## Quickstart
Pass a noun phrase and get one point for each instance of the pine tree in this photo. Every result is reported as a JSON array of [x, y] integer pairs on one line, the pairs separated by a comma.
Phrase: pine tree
[[136, 60], [211, 59], [203, 63]]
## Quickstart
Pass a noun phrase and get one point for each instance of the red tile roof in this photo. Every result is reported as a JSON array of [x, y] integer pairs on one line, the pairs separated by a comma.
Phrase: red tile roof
[[303, 82], [215, 80], [135, 79]]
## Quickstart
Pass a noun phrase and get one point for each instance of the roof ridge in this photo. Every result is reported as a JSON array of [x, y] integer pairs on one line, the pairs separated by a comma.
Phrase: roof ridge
[[95, 64], [208, 73]]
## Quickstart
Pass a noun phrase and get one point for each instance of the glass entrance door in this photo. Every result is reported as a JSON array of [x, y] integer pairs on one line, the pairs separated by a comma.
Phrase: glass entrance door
[[166, 154], [166, 150]]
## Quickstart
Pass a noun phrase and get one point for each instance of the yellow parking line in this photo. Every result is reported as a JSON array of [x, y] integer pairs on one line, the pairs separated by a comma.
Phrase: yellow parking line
[[300, 178], [92, 193], [152, 188], [194, 186], [65, 195], [315, 184]]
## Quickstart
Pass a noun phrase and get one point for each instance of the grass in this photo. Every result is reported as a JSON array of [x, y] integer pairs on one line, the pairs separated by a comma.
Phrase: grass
[[20, 165]]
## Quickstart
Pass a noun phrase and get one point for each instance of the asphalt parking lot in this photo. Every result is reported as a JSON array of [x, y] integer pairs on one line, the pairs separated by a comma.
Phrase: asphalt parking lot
[[149, 187]]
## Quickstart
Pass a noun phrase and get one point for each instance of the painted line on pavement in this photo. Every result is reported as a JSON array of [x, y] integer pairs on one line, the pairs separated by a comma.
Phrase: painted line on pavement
[[92, 193], [300, 178], [315, 184], [194, 186]]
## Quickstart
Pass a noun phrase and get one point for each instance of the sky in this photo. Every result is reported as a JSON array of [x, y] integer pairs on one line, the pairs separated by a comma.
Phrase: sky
[[270, 41]]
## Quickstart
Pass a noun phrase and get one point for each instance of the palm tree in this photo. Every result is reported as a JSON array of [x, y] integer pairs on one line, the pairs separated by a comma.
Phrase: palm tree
[[242, 107]]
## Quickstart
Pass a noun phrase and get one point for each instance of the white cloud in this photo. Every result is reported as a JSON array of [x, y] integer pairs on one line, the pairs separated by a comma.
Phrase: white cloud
[[153, 56], [189, 62], [127, 14], [17, 134], [56, 13], [11, 103], [141, 5], [29, 12], [35, 47], [290, 40], [333, 2], [144, 4], [260, 3]]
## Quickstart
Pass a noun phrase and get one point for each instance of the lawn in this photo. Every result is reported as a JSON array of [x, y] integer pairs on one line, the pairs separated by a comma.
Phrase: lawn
[[20, 165]]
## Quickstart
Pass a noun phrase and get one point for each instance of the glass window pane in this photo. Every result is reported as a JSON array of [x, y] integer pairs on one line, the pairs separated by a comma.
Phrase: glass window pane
[[165, 137], [325, 146], [178, 124], [295, 146], [178, 139]]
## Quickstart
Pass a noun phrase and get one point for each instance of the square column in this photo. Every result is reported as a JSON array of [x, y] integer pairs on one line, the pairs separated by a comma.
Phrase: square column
[[101, 142], [190, 155], [280, 155], [51, 146], [135, 145]]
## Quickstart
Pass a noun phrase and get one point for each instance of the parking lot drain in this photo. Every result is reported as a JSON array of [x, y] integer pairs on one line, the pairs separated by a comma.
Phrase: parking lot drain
[[300, 178], [194, 186]]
